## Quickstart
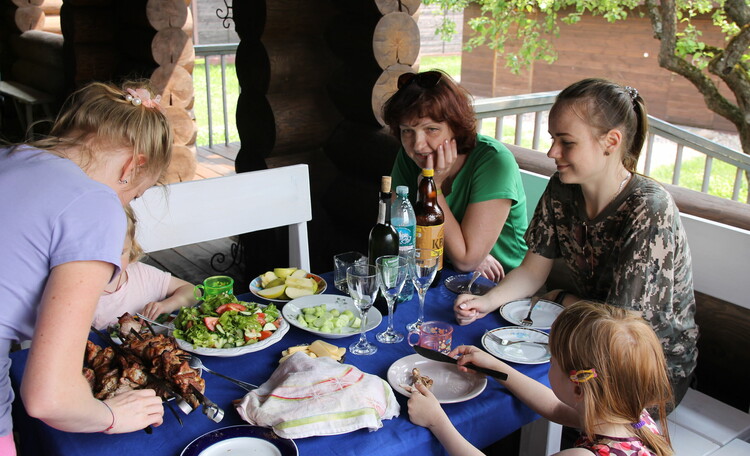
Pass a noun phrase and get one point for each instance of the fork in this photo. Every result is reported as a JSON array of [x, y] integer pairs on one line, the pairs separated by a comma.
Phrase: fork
[[506, 342], [527, 321], [196, 363]]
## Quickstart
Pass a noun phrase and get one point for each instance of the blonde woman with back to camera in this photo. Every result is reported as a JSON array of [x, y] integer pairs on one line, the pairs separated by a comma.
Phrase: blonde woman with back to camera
[[61, 243]]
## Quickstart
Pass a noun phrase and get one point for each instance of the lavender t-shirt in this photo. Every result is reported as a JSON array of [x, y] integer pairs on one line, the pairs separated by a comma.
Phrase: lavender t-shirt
[[53, 213]]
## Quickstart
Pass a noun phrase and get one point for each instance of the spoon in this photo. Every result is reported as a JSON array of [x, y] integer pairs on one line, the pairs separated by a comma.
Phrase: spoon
[[196, 363], [474, 276]]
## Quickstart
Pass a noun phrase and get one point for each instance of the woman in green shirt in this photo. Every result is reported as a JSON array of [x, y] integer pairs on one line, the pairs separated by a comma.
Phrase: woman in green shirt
[[479, 184]]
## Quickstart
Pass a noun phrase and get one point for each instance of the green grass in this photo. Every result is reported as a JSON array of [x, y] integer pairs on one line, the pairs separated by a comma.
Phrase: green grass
[[217, 110], [720, 184], [451, 64]]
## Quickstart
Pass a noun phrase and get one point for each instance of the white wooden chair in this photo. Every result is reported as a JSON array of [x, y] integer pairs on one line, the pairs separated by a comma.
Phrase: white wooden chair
[[207, 209]]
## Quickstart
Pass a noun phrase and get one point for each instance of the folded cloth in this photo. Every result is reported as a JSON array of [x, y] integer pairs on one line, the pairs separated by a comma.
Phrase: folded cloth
[[318, 396]]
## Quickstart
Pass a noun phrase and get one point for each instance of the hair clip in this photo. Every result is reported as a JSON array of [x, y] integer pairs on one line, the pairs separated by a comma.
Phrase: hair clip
[[583, 375], [632, 91], [140, 97]]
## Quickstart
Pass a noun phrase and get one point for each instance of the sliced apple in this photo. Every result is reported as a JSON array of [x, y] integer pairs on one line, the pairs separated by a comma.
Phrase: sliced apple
[[284, 272], [267, 278], [299, 274], [273, 292], [302, 283], [294, 292], [275, 282]]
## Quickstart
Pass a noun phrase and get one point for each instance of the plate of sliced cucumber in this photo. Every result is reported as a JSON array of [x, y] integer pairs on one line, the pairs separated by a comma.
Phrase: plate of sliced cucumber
[[329, 316]]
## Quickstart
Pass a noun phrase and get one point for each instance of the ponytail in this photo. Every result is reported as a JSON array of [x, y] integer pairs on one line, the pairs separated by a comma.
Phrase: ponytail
[[630, 158]]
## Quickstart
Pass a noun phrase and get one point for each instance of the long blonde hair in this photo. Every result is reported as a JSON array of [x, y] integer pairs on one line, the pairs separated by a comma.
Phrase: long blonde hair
[[136, 251], [629, 361], [98, 117]]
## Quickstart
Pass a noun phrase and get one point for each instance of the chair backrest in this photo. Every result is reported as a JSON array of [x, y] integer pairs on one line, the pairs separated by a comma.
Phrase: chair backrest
[[207, 209], [533, 185]]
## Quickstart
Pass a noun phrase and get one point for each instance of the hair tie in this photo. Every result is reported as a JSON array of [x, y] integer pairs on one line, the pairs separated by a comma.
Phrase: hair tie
[[638, 425], [583, 375], [633, 92], [140, 97]]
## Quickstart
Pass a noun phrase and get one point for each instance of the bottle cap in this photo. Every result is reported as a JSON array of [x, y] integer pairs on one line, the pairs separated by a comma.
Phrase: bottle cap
[[428, 172], [402, 190], [385, 184]]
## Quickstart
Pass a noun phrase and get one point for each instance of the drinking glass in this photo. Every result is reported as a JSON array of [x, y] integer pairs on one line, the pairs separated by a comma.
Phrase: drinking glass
[[392, 273], [362, 281], [423, 267]]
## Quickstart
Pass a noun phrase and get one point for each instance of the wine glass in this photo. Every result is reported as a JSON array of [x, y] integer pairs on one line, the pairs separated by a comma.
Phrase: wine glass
[[423, 267], [392, 273], [362, 280]]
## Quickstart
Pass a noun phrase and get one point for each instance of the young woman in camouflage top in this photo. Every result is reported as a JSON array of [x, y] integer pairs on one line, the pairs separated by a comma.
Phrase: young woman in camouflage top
[[618, 233]]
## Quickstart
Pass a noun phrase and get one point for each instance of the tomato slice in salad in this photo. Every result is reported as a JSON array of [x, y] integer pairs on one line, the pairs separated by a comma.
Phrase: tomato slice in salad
[[265, 335], [230, 306], [210, 322]]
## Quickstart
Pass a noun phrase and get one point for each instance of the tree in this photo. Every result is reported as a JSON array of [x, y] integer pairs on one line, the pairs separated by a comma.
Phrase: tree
[[529, 23]]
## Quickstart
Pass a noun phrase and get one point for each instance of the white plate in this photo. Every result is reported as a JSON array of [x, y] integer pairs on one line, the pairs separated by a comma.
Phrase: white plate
[[340, 303], [519, 353], [241, 440], [543, 314], [255, 287], [449, 385], [236, 351]]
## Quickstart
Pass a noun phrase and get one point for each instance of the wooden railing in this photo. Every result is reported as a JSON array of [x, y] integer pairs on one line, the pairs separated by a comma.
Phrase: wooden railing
[[210, 52], [520, 107]]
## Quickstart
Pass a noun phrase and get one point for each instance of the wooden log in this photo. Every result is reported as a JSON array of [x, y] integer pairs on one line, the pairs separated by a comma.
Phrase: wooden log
[[287, 18], [39, 46], [92, 62], [183, 165], [51, 6], [29, 18], [52, 24], [375, 152], [352, 96], [385, 87], [97, 3], [185, 130], [87, 24], [189, 23], [136, 43], [351, 38], [396, 40], [25, 3], [252, 65], [409, 7], [357, 7], [164, 14], [256, 126], [131, 13], [39, 76], [175, 85], [173, 46], [303, 120], [284, 64]]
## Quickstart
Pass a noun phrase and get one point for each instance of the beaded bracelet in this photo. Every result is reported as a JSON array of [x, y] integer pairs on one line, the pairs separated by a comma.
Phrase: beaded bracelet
[[113, 417]]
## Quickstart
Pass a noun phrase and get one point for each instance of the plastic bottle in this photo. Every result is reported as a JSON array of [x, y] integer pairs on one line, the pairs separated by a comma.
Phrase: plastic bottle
[[405, 222]]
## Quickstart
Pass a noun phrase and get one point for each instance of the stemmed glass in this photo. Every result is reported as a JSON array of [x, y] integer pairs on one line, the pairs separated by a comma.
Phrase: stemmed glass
[[362, 280], [392, 273], [423, 267]]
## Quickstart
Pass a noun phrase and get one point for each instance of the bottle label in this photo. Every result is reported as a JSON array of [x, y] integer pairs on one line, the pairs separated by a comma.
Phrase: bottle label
[[405, 237], [431, 237]]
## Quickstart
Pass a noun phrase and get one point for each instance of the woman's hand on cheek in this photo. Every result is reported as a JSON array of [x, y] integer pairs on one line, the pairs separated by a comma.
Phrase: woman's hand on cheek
[[445, 155]]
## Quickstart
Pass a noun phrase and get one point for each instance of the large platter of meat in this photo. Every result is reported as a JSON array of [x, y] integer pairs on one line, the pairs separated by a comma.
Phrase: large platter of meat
[[143, 360]]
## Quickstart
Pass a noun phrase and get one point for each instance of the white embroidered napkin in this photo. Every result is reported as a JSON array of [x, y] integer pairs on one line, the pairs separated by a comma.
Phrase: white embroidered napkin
[[318, 396]]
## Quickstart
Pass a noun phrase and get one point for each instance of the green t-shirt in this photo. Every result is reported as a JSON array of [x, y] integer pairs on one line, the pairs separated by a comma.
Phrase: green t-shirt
[[490, 172]]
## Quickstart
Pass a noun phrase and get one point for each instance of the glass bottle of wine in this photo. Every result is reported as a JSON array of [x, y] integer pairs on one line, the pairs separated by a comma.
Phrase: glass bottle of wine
[[383, 236]]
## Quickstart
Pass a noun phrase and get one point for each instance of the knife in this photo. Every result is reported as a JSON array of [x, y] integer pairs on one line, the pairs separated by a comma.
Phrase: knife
[[437, 356]]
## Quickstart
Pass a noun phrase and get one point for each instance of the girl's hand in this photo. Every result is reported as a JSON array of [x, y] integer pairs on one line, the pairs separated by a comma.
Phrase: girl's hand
[[491, 268], [424, 408], [469, 308], [154, 309], [134, 410], [442, 160], [477, 357]]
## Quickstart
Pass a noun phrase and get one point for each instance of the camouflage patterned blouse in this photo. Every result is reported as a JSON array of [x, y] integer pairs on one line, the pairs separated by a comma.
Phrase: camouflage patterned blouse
[[634, 254]]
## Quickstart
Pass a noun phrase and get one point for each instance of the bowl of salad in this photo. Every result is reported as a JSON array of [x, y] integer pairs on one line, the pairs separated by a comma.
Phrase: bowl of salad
[[222, 325]]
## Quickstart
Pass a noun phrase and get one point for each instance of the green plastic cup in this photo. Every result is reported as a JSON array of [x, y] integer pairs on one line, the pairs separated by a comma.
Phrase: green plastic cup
[[214, 285]]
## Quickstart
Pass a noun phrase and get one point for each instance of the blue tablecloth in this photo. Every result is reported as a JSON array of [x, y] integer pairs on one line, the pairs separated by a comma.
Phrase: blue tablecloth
[[483, 420]]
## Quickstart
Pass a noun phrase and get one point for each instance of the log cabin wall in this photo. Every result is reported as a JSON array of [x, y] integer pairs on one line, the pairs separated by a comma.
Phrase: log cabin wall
[[624, 51], [312, 76]]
